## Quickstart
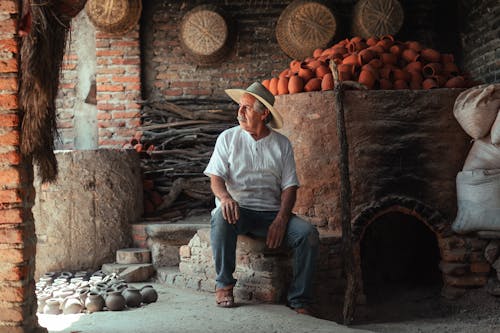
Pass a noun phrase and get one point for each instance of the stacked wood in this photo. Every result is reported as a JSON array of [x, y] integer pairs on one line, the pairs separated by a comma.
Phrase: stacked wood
[[175, 144]]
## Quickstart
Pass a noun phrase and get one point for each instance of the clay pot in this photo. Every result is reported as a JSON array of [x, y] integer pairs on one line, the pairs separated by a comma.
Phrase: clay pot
[[372, 70], [416, 77], [400, 74], [415, 85], [273, 86], [313, 84], [386, 73], [400, 84], [415, 66], [82, 293], [338, 50], [351, 59], [265, 83], [284, 73], [40, 300], [367, 78], [388, 58], [376, 63], [396, 49], [377, 49], [317, 53], [294, 66], [305, 73], [440, 80], [149, 294], [115, 301], [410, 55], [72, 305], [94, 302], [414, 45], [283, 85], [356, 45], [447, 57], [365, 56], [429, 84], [52, 306], [385, 84], [372, 41], [295, 84], [455, 82], [322, 70], [432, 69], [449, 68], [430, 55], [385, 43], [327, 82], [133, 297]]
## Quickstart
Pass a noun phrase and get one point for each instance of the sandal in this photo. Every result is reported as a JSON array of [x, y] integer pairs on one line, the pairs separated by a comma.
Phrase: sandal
[[303, 311], [224, 297]]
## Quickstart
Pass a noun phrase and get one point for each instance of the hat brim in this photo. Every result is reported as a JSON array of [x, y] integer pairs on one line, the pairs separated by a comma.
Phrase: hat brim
[[236, 94]]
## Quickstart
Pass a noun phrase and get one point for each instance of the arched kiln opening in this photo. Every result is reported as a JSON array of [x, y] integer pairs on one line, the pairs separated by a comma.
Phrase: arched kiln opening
[[399, 260]]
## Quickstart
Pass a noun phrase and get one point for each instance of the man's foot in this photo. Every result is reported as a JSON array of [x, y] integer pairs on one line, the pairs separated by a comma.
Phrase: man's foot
[[303, 311], [224, 297]]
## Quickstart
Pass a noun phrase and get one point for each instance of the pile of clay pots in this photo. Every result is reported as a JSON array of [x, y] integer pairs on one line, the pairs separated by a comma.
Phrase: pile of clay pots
[[71, 293], [377, 63]]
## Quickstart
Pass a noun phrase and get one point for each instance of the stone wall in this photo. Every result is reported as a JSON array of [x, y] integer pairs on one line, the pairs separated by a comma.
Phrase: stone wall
[[85, 215]]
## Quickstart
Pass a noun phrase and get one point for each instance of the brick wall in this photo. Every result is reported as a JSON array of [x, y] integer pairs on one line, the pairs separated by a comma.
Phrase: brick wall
[[480, 38], [17, 233]]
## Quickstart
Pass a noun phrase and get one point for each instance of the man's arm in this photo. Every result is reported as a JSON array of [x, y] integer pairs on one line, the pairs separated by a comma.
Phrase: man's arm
[[230, 208], [277, 229]]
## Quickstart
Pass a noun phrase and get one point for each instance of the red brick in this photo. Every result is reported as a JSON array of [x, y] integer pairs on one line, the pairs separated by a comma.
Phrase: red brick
[[110, 88], [103, 115], [126, 114], [121, 43], [11, 216], [12, 293], [480, 267], [67, 86], [13, 273], [8, 101], [133, 106], [8, 25], [118, 70], [8, 65], [126, 79], [68, 66], [11, 314], [10, 158], [9, 120], [11, 235], [117, 61], [9, 175], [109, 53], [13, 256], [185, 84], [8, 7], [65, 124], [133, 87], [9, 196], [106, 124], [116, 143], [10, 138], [103, 79], [106, 106], [71, 56], [173, 92], [8, 83]]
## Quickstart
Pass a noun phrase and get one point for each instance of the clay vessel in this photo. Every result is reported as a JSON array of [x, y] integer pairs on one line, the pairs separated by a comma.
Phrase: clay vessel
[[295, 84], [94, 302], [322, 70], [295, 66], [414, 45], [305, 73], [133, 297], [72, 305], [376, 63], [388, 58], [447, 57], [317, 52], [313, 84], [40, 300], [430, 55], [149, 294], [115, 301], [365, 56], [351, 59], [327, 82], [385, 84], [283, 85], [415, 66], [410, 55], [450, 69], [273, 86], [284, 73], [52, 306], [400, 84], [366, 77], [432, 69], [372, 41], [400, 74], [455, 82], [265, 83], [429, 84]]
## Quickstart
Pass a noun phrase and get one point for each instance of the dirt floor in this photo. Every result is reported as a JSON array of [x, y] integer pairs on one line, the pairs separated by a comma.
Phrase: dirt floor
[[181, 310]]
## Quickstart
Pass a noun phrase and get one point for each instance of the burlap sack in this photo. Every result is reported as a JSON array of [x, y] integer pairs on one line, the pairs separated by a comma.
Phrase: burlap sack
[[495, 131], [476, 109], [483, 155]]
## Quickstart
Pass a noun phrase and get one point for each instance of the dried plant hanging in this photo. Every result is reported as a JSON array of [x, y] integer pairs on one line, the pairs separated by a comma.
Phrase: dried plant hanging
[[44, 31]]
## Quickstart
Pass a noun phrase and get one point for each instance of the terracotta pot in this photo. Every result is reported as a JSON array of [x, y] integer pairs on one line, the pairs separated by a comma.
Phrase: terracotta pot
[[273, 86], [322, 70], [455, 82], [396, 49], [386, 73], [388, 58], [372, 70], [283, 86], [295, 84], [72, 305], [414, 45], [52, 306], [317, 52], [440, 80], [367, 78], [94, 302], [284, 73], [416, 77], [313, 84], [356, 45], [415, 66], [376, 63], [429, 84], [41, 299], [348, 68], [430, 55], [447, 57], [327, 82], [400, 74], [149, 294], [338, 50], [385, 84], [294, 66], [400, 84], [133, 297], [410, 55], [385, 43], [449, 68], [432, 69], [387, 37], [365, 56], [372, 41], [351, 59], [377, 49], [415, 85], [265, 83], [305, 73], [115, 301], [312, 64]]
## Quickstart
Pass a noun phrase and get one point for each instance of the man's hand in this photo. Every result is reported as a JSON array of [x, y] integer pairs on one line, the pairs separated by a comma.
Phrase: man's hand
[[276, 233], [230, 209]]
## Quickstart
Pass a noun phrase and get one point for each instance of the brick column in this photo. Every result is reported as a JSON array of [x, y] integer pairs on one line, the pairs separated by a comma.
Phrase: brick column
[[118, 87], [17, 232]]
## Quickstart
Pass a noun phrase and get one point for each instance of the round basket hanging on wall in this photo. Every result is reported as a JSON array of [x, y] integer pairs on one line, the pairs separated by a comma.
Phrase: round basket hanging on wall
[[114, 16], [205, 34], [305, 26], [377, 18]]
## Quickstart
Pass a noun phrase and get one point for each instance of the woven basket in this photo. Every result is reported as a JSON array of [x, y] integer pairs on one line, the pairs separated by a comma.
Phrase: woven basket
[[305, 26], [205, 34], [377, 18], [114, 16]]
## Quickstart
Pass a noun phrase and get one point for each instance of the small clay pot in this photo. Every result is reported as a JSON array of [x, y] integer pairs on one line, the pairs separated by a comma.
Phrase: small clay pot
[[365, 56], [455, 82], [377, 49], [351, 59], [367, 78], [72, 305], [321, 70], [400, 74], [388, 58], [284, 73], [385, 84], [400, 84], [149, 294], [414, 45], [115, 301], [327, 82], [295, 84], [429, 84], [415, 66], [40, 300], [313, 84], [430, 55], [372, 41], [396, 49], [273, 86], [450, 69], [385, 43], [283, 85], [410, 55], [386, 73], [294, 66], [376, 63], [432, 69], [447, 57], [265, 83], [52, 306], [317, 52], [133, 297], [305, 73], [94, 302]]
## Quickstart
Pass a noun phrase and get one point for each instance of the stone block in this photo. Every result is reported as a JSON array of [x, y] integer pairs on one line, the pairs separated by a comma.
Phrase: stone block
[[133, 256], [492, 250], [480, 267], [465, 281], [185, 251], [131, 272], [453, 268]]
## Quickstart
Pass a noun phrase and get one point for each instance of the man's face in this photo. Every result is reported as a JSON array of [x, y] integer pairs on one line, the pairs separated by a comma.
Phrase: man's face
[[249, 119]]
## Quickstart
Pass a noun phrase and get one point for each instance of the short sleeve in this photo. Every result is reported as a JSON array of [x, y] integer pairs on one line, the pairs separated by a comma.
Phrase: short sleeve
[[289, 176], [218, 164]]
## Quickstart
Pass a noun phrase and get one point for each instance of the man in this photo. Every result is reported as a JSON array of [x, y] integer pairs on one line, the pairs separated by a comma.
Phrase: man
[[252, 174]]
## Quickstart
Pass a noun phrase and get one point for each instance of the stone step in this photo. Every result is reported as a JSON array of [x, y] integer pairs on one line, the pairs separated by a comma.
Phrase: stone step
[[133, 256], [130, 272], [171, 276]]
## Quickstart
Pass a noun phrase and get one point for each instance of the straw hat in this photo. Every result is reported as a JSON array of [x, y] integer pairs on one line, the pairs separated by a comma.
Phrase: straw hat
[[260, 92]]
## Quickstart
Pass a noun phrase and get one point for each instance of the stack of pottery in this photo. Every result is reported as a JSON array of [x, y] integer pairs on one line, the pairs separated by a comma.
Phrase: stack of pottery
[[70, 293], [377, 63]]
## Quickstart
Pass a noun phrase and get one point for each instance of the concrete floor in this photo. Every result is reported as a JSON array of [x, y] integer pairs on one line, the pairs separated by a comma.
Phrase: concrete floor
[[188, 311]]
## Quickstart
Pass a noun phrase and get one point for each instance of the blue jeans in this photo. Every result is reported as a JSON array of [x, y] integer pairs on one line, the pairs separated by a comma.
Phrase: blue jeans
[[301, 236]]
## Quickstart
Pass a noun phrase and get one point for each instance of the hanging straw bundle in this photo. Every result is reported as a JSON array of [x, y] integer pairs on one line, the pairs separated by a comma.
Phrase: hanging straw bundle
[[42, 52]]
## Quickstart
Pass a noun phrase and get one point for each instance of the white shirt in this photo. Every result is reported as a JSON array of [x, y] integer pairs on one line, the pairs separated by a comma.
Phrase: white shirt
[[255, 172]]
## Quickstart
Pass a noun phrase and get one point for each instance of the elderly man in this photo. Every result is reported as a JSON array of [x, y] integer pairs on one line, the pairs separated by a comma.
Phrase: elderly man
[[252, 174]]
